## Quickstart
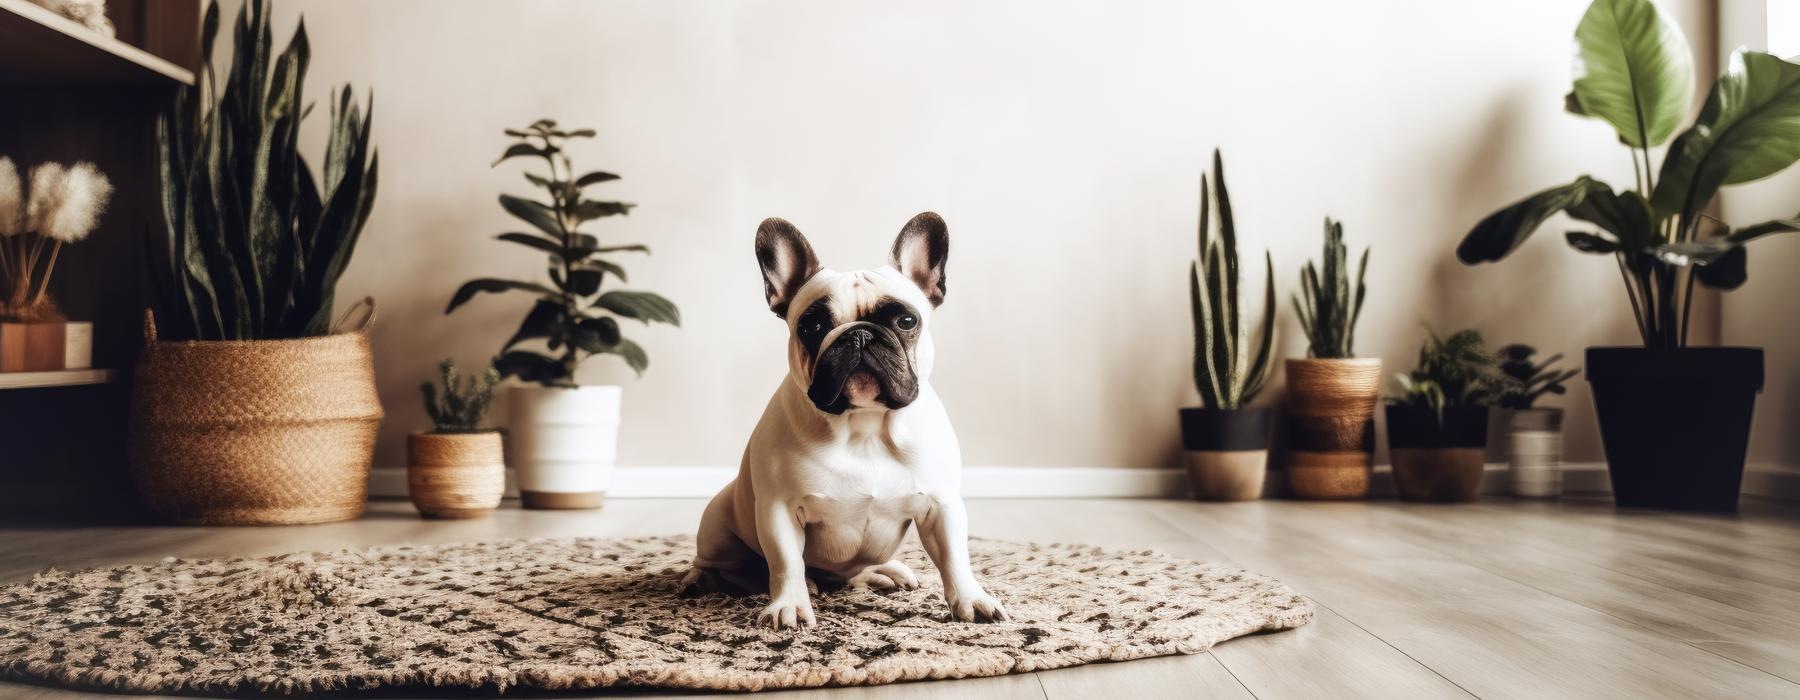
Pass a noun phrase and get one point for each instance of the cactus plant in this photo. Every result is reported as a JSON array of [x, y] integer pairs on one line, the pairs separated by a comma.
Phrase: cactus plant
[[1225, 373], [572, 316], [462, 403], [1327, 306], [253, 246], [1531, 380]]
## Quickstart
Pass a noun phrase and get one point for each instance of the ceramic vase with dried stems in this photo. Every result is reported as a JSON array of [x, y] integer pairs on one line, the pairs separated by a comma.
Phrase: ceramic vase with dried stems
[[1226, 441], [1329, 410]]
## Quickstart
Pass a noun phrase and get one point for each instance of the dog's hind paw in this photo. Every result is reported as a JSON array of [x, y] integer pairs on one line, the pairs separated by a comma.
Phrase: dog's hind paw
[[886, 577]]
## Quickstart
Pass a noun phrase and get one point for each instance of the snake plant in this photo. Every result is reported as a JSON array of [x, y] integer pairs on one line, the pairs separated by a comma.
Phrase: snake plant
[[1327, 305], [1225, 371], [1633, 70], [253, 246]]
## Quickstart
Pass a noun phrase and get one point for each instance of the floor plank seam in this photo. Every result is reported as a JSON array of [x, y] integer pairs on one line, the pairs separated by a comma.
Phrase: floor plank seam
[[1234, 675]]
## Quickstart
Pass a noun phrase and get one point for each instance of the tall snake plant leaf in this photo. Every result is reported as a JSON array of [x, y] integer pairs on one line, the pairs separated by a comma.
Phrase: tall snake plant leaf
[[1748, 130], [1227, 373], [1633, 69]]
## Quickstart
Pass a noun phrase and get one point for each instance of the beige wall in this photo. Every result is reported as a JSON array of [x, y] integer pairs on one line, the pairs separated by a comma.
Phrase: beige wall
[[1063, 148]]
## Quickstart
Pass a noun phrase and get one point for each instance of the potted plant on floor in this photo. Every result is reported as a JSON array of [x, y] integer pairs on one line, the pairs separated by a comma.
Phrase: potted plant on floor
[[1675, 420], [1437, 426], [249, 404], [1226, 440], [564, 435], [1534, 434], [1331, 393], [458, 470]]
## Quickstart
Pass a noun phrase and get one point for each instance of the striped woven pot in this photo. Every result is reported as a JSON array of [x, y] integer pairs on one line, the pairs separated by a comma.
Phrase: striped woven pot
[[255, 432]]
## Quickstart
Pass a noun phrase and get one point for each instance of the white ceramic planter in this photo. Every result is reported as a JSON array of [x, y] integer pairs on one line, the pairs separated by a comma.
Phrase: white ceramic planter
[[563, 444], [1535, 449]]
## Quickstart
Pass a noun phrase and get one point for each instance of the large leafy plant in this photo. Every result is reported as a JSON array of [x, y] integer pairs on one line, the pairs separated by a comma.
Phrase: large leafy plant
[[1633, 69], [252, 245], [1327, 304], [1453, 372], [573, 318], [1224, 370]]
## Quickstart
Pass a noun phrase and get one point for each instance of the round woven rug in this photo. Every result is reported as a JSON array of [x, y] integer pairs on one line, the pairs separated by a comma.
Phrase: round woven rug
[[585, 613]]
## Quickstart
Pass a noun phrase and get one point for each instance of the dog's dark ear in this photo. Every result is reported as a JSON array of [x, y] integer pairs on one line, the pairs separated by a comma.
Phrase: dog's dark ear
[[920, 253], [787, 262]]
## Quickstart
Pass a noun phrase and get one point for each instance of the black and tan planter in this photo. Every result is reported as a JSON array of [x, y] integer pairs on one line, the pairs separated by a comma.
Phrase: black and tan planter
[[1675, 423], [455, 475], [1329, 421], [1440, 461], [1227, 452]]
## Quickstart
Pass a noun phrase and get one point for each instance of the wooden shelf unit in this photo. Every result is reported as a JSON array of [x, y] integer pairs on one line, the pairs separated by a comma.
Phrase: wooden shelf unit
[[39, 47], [61, 377]]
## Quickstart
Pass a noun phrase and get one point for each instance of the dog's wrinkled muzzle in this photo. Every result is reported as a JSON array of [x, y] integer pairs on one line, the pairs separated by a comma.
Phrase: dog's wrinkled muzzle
[[864, 347]]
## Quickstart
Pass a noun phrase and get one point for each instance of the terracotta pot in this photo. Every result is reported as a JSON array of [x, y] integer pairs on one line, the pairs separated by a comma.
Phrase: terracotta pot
[[1329, 411], [1227, 452], [1438, 457], [455, 475]]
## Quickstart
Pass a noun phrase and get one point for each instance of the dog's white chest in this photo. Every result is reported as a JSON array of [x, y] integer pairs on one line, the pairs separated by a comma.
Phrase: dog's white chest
[[857, 512]]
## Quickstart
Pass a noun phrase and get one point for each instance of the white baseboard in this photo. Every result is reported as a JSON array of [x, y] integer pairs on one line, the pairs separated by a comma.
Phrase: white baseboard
[[1579, 478]]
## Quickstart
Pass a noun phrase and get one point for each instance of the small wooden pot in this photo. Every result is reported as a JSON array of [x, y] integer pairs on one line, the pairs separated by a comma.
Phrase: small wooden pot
[[1330, 425], [455, 475], [1227, 452], [1438, 458]]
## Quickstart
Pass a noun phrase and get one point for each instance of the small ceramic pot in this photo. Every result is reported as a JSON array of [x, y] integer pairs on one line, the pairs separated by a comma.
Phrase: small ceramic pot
[[1227, 452], [1329, 419], [1438, 458], [455, 475], [1534, 452]]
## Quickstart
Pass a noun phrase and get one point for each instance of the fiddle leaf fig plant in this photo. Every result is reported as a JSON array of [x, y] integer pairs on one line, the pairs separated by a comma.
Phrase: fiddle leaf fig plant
[[1226, 372], [1634, 70], [572, 316]]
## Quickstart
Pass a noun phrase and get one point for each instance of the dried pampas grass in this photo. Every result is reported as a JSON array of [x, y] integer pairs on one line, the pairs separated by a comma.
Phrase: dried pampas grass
[[63, 205]]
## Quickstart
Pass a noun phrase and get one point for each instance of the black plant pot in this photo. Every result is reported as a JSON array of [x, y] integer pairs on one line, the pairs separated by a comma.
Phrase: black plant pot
[[1437, 460], [1227, 451], [1675, 423]]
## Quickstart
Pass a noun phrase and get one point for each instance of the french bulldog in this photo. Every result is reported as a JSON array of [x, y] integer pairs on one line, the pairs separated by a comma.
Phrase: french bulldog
[[854, 448]]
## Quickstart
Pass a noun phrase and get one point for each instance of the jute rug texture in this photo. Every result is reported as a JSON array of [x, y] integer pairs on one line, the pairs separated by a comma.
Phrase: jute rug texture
[[586, 613]]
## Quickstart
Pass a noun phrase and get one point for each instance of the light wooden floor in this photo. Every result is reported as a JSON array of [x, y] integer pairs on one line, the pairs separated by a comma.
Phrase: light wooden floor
[[1499, 599]]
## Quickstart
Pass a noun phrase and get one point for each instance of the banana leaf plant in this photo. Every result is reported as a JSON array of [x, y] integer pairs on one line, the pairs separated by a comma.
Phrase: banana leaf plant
[[571, 316], [253, 246], [1226, 373], [1634, 70]]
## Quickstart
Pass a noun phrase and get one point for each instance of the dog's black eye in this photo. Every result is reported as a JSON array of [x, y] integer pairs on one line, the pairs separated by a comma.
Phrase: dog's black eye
[[907, 322], [811, 327]]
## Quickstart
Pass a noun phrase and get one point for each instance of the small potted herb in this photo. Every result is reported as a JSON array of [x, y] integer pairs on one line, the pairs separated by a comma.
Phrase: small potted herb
[[1226, 440], [1437, 426], [1534, 433], [1331, 393], [458, 470]]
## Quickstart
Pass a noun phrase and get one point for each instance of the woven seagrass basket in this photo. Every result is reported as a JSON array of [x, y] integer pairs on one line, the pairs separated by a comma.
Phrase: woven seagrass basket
[[255, 432]]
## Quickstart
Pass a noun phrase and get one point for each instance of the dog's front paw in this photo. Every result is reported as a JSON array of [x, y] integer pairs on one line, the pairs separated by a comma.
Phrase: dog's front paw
[[979, 607], [787, 612]]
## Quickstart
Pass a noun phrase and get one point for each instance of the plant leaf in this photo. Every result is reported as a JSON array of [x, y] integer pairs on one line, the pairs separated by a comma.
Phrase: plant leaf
[[532, 367], [594, 178], [584, 281], [1504, 231], [521, 149], [606, 266], [587, 209], [1591, 243], [595, 334], [1748, 130], [537, 214], [1633, 69], [1729, 271], [634, 355], [583, 244], [547, 319], [643, 306], [491, 285]]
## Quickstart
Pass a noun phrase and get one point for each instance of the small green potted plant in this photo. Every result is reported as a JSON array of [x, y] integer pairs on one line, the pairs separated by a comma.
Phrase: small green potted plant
[[1675, 420], [1437, 425], [564, 435], [1534, 433], [458, 469], [1331, 393], [1226, 440]]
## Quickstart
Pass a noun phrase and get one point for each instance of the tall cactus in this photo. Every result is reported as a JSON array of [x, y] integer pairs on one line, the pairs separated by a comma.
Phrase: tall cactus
[[1227, 376], [1327, 306]]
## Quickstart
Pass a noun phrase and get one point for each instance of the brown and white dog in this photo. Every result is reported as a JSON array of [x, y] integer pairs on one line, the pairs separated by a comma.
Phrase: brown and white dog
[[854, 448]]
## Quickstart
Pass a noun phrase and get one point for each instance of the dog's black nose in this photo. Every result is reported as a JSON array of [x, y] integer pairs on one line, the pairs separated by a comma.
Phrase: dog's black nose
[[859, 337]]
